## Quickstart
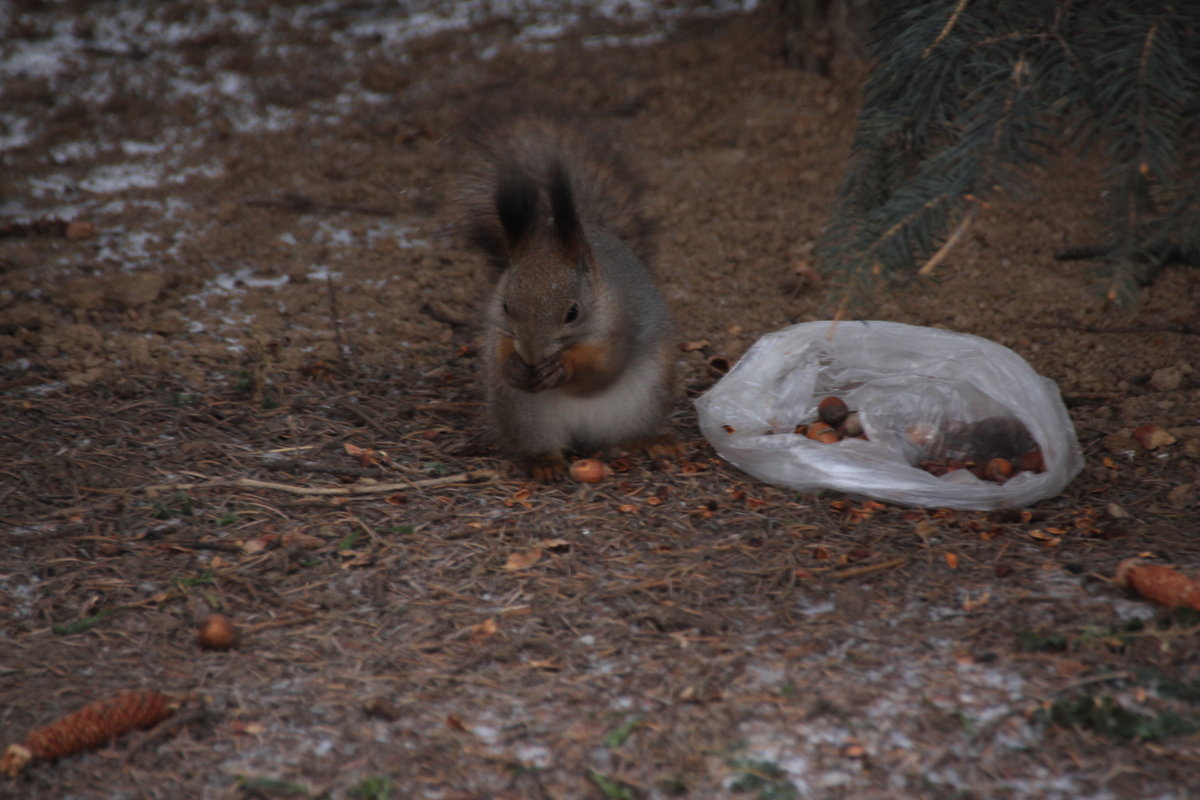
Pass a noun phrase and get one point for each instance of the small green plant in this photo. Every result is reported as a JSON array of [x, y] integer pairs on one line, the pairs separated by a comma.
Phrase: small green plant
[[244, 383], [1040, 641], [1106, 717], [1185, 617], [517, 769], [258, 786], [206, 578], [614, 790], [81, 625], [1175, 688], [349, 540], [375, 787], [179, 505], [672, 785], [619, 735], [402, 530], [763, 777]]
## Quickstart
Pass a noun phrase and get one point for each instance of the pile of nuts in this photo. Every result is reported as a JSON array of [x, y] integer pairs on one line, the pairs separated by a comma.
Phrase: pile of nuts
[[835, 421], [993, 449], [997, 470]]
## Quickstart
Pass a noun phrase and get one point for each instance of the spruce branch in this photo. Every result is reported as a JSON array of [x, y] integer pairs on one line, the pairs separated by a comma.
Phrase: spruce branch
[[951, 241], [963, 99], [954, 15]]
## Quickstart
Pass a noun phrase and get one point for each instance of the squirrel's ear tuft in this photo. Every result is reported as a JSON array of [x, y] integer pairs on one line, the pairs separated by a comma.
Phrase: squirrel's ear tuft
[[516, 206], [567, 228]]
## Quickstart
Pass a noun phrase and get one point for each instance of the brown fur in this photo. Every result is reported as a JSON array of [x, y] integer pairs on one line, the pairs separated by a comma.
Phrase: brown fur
[[589, 368], [525, 141], [577, 335]]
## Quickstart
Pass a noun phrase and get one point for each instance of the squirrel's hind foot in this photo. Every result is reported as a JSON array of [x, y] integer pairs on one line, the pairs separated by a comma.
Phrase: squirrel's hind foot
[[547, 468], [656, 448]]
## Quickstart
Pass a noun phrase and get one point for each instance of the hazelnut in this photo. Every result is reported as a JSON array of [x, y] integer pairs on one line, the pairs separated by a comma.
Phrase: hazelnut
[[818, 429], [852, 424], [218, 633], [998, 470], [589, 470], [832, 410]]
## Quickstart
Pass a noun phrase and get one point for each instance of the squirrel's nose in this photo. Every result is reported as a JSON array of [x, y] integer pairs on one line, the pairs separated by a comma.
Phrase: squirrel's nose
[[523, 352], [533, 354]]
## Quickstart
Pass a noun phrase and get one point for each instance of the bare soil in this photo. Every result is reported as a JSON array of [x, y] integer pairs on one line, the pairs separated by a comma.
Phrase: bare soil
[[271, 276]]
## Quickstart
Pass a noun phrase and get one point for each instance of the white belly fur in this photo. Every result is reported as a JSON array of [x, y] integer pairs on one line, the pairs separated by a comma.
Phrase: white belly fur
[[626, 410]]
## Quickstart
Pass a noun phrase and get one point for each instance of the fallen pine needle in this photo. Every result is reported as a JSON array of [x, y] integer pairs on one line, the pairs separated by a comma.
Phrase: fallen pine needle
[[160, 731], [330, 491], [280, 623], [856, 571]]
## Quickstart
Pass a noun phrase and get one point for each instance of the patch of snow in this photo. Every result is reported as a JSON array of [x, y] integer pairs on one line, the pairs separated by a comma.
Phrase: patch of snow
[[534, 755], [320, 272], [47, 388], [69, 152], [114, 178], [814, 609], [235, 281], [132, 148], [16, 132]]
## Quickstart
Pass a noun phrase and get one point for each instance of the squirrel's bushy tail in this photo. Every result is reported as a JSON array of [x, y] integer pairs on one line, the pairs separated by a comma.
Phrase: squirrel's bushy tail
[[519, 160]]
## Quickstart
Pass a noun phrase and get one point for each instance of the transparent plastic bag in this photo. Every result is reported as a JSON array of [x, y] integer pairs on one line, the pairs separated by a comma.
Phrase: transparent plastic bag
[[915, 389]]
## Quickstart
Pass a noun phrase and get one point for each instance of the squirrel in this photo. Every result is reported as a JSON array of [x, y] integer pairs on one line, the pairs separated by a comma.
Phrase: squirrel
[[578, 348]]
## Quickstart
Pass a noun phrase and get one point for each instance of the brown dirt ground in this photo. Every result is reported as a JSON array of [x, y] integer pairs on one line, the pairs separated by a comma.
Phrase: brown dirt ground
[[681, 630]]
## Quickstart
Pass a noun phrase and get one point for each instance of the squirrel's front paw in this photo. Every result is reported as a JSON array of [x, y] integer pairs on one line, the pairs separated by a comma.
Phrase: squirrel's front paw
[[518, 374], [548, 374]]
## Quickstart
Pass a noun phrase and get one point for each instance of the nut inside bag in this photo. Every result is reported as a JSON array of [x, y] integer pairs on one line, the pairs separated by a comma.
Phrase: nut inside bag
[[947, 419]]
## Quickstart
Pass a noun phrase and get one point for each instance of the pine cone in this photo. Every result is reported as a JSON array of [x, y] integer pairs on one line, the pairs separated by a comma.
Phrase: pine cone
[[1163, 585], [90, 726]]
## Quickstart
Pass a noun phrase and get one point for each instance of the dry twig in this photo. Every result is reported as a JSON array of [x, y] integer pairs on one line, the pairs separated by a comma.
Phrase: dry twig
[[330, 491], [951, 241], [868, 569]]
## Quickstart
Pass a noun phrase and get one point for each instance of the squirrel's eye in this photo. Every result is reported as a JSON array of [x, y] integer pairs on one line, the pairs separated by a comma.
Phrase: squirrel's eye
[[572, 313], [504, 308]]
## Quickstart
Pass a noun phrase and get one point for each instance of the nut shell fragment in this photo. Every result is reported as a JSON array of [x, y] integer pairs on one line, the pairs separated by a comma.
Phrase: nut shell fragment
[[1152, 437]]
